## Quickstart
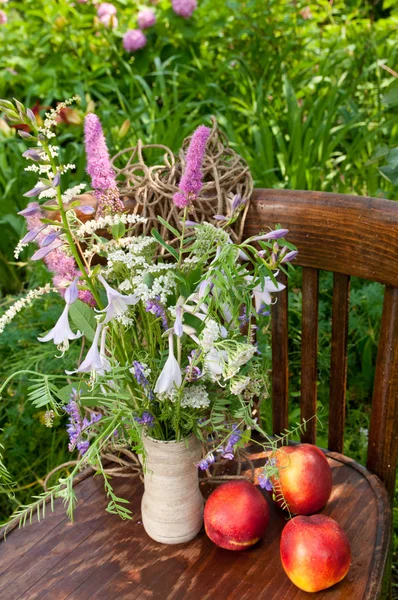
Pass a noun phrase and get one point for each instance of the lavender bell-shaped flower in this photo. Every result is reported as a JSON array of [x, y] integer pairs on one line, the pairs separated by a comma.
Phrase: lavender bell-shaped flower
[[95, 361], [61, 333], [117, 302], [170, 376], [262, 292]]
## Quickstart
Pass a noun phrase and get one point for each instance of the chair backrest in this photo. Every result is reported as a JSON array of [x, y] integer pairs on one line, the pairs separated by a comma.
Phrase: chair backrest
[[349, 236]]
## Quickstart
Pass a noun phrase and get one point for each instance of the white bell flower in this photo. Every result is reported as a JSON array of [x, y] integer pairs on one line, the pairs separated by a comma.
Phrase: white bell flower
[[171, 376], [117, 302]]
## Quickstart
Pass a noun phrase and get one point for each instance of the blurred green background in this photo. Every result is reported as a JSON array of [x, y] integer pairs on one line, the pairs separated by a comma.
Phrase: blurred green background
[[306, 92]]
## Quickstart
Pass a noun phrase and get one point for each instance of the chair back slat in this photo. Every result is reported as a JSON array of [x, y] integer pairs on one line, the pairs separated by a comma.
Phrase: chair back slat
[[280, 365], [383, 433], [338, 365], [309, 351]]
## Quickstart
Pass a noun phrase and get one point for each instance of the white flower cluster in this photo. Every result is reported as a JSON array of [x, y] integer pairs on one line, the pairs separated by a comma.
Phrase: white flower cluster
[[22, 303], [161, 287], [239, 384], [68, 195], [51, 117], [239, 357], [134, 257], [195, 396], [50, 193], [41, 169], [18, 249], [68, 167], [209, 335], [106, 222]]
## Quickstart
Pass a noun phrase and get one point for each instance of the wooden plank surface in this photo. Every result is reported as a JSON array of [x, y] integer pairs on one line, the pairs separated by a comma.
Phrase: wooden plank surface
[[383, 432], [309, 352], [338, 367], [280, 361], [352, 235], [101, 557]]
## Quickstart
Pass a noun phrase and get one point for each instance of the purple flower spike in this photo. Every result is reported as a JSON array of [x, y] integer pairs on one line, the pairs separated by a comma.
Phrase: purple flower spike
[[32, 209], [205, 463], [31, 115], [72, 292], [147, 419], [289, 256], [237, 202], [49, 238], [265, 483], [39, 254], [32, 154], [191, 181], [57, 179], [36, 191], [31, 235], [86, 210], [24, 135], [272, 235]]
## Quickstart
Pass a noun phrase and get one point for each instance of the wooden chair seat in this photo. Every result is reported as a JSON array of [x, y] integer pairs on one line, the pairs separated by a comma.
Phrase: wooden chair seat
[[102, 557]]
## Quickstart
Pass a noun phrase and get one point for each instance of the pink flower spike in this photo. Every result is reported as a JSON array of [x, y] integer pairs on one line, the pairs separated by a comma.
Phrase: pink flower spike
[[180, 200], [98, 163], [191, 180]]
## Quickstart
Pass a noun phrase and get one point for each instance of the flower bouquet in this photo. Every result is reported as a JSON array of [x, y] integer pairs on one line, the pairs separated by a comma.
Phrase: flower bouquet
[[169, 364]]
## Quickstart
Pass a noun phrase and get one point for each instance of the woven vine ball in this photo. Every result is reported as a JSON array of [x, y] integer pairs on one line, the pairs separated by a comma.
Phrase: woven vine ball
[[148, 190]]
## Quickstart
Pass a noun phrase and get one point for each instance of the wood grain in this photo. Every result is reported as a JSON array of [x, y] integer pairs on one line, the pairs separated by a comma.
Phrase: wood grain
[[383, 433], [352, 235], [309, 352], [280, 364], [338, 367], [101, 557]]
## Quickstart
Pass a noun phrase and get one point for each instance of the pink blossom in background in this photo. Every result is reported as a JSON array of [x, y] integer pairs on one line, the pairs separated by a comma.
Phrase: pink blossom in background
[[106, 8], [134, 40], [306, 13], [146, 18], [107, 15], [3, 17], [99, 166], [58, 262], [191, 180], [109, 21], [184, 8]]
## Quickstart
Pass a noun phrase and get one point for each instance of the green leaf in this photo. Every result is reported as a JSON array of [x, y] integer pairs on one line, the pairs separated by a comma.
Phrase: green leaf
[[83, 318], [118, 231], [169, 227], [161, 241]]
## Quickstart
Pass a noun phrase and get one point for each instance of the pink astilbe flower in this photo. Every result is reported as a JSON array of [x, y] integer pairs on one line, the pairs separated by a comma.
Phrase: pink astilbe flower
[[191, 180], [57, 261], [99, 167], [134, 40], [3, 17], [146, 18], [184, 8]]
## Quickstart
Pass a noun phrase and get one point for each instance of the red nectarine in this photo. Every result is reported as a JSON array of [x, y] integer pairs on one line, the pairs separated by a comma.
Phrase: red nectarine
[[315, 552], [305, 478], [236, 515]]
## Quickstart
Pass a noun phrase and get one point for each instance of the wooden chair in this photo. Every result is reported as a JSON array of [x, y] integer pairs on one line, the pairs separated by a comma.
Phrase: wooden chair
[[102, 557]]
